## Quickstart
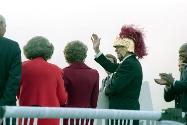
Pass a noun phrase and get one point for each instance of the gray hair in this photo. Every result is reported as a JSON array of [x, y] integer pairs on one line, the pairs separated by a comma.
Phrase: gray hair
[[75, 51], [2, 20], [38, 46], [2, 25], [184, 45]]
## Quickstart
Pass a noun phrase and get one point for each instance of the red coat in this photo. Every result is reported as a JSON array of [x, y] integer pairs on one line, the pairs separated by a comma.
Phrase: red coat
[[42, 85], [82, 85]]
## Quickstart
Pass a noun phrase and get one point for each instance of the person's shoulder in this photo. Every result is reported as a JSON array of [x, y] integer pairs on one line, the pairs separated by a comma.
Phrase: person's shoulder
[[94, 71], [25, 62], [132, 61], [90, 69], [8, 41], [9, 45], [55, 67], [65, 69], [52, 65]]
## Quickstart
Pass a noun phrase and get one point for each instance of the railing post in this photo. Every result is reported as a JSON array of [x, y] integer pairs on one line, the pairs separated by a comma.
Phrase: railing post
[[2, 113], [172, 116]]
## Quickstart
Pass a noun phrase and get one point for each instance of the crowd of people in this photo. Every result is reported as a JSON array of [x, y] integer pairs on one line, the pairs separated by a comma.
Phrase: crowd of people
[[36, 82]]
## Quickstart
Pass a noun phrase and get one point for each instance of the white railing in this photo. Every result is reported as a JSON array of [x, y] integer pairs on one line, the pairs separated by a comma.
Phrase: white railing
[[80, 113]]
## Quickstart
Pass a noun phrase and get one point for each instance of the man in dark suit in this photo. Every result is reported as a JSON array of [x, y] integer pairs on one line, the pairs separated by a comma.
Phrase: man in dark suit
[[176, 89], [10, 70], [125, 84]]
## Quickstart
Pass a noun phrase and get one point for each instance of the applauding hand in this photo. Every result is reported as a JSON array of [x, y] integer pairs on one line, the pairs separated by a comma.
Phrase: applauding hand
[[160, 81], [166, 79]]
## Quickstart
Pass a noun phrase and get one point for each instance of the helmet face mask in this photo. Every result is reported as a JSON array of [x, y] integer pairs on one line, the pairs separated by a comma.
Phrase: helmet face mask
[[125, 42], [121, 52]]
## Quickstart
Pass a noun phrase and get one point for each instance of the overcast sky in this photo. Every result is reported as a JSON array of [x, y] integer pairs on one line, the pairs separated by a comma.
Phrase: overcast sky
[[61, 21]]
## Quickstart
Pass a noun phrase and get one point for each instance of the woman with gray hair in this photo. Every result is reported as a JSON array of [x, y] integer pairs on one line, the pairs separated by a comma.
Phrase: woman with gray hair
[[41, 82], [81, 81]]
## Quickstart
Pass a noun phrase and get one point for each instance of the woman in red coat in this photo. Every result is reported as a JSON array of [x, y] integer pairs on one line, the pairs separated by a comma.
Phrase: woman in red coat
[[41, 83], [81, 81]]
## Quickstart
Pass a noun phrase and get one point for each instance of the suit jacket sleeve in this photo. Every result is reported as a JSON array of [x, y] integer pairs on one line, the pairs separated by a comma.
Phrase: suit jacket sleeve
[[13, 81], [169, 94], [124, 76], [95, 93], [181, 85], [106, 64]]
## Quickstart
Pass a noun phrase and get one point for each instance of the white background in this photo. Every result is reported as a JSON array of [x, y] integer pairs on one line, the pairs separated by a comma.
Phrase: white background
[[163, 22]]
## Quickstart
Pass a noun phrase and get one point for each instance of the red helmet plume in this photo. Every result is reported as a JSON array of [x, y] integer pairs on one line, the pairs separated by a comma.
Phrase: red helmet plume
[[129, 31]]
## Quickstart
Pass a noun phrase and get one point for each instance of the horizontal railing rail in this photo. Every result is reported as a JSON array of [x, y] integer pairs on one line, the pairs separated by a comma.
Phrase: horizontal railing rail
[[88, 113], [166, 117]]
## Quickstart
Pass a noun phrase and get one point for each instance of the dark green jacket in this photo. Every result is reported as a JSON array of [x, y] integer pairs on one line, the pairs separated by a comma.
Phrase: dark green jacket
[[10, 71], [125, 86], [178, 92]]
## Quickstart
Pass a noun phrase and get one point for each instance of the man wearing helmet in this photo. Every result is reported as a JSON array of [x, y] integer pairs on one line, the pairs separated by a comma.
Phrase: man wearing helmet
[[125, 84]]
